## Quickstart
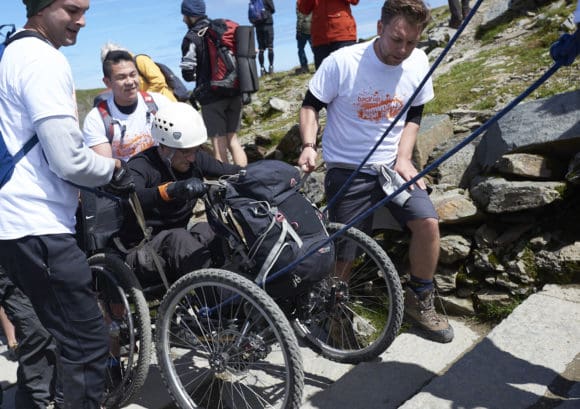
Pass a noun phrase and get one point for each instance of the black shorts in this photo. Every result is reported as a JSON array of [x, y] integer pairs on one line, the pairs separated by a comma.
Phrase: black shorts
[[222, 116], [364, 192], [265, 35]]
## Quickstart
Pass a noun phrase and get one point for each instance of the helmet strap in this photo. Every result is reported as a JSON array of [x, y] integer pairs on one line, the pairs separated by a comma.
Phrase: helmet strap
[[168, 159]]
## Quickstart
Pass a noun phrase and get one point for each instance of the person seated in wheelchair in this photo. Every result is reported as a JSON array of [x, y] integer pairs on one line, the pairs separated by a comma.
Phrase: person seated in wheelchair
[[169, 180]]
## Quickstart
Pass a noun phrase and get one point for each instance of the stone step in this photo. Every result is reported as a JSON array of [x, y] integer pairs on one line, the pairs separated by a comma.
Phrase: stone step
[[530, 360], [524, 362], [408, 364]]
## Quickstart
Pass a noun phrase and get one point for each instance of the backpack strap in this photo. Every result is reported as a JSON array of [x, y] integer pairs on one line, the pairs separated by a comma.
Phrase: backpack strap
[[23, 34], [26, 148], [110, 122], [151, 105], [276, 250], [11, 38]]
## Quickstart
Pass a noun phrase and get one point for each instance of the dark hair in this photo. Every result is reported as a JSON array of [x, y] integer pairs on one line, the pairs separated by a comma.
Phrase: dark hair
[[414, 11], [114, 57]]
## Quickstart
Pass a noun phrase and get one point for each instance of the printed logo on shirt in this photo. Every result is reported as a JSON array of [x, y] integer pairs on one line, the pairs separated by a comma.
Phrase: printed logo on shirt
[[377, 107], [131, 146]]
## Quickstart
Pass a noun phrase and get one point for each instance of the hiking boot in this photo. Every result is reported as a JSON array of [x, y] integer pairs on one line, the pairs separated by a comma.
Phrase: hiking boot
[[262, 71], [454, 23], [465, 12], [271, 70], [421, 311]]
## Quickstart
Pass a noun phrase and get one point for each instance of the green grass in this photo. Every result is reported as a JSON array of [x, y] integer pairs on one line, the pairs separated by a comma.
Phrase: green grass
[[474, 83], [85, 99], [495, 312]]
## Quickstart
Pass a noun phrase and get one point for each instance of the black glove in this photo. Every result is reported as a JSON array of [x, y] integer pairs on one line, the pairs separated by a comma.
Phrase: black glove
[[186, 189], [122, 182]]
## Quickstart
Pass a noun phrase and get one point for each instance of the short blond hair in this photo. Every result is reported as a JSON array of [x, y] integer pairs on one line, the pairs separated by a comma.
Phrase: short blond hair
[[110, 46]]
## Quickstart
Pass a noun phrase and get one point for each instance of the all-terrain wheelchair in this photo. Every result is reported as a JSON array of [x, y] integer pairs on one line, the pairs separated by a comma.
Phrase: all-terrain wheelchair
[[221, 340], [224, 342]]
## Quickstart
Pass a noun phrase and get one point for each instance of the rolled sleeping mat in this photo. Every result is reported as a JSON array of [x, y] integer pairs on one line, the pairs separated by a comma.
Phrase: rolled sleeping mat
[[247, 67]]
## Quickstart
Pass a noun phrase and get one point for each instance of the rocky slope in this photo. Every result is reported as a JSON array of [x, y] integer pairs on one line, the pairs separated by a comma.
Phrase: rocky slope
[[506, 226]]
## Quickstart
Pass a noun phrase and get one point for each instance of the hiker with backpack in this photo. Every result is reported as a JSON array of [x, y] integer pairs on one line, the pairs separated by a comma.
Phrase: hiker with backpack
[[364, 87], [38, 196], [120, 125], [169, 180], [221, 102], [260, 15]]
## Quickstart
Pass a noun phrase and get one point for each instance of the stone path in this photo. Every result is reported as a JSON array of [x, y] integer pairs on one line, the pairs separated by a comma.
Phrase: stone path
[[529, 361]]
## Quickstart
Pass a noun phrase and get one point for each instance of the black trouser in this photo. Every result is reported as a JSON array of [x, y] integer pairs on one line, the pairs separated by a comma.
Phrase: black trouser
[[322, 51], [54, 273], [36, 374], [181, 251], [265, 36], [459, 10]]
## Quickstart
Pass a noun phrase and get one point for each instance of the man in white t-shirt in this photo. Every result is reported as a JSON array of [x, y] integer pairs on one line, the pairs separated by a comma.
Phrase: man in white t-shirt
[[129, 112], [38, 203], [363, 88]]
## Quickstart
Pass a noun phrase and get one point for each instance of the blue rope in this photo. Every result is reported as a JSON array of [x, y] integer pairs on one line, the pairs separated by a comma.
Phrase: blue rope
[[407, 105], [560, 58]]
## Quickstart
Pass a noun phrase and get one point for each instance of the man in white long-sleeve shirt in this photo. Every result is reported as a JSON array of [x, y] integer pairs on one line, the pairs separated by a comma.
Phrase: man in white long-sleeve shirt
[[38, 203]]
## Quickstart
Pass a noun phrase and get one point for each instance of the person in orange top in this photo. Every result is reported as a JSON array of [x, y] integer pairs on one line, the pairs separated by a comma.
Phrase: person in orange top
[[333, 25]]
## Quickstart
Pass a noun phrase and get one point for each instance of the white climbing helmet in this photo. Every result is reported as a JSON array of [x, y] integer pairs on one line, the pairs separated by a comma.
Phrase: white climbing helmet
[[179, 125]]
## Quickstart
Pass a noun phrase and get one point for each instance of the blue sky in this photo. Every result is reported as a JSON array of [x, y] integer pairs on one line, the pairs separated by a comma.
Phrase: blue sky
[[154, 27]]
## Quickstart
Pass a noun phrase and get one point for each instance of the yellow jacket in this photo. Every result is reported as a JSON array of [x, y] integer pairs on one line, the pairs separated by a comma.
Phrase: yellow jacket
[[151, 78]]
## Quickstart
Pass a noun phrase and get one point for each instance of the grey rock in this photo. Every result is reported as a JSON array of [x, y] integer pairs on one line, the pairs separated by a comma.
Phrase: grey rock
[[280, 105], [457, 306], [497, 195], [530, 166], [435, 129], [454, 247], [549, 124], [454, 206]]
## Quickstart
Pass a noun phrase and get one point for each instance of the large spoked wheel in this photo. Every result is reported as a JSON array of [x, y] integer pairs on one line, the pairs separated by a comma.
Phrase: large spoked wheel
[[127, 317], [355, 313], [222, 342]]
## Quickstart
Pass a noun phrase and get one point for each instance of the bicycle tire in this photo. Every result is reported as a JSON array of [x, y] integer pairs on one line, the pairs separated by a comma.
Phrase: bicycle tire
[[241, 347], [356, 319], [111, 273]]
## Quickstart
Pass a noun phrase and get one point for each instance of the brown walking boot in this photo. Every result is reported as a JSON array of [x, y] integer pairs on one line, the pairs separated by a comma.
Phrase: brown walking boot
[[420, 310]]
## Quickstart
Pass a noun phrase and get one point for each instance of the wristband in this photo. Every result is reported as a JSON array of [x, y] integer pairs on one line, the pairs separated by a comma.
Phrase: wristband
[[163, 191], [309, 145]]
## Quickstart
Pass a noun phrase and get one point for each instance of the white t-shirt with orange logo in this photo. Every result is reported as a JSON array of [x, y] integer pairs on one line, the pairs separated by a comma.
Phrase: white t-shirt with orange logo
[[364, 96], [132, 132]]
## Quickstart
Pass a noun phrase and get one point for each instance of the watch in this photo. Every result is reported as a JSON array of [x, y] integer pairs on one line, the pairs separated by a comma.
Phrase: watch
[[309, 145]]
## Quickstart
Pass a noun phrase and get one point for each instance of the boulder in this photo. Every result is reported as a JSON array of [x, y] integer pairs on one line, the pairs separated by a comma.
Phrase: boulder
[[548, 125], [497, 195]]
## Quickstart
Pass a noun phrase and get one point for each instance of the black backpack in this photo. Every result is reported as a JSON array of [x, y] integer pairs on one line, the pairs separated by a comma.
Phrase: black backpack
[[280, 226]]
